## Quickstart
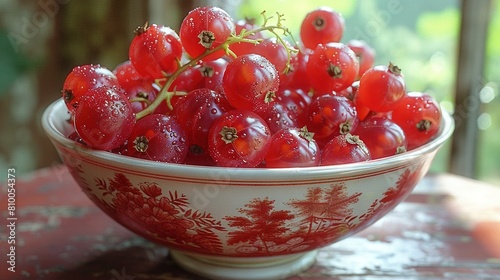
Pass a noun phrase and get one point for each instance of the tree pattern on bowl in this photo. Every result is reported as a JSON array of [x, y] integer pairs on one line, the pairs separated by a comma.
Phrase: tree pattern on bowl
[[323, 216]]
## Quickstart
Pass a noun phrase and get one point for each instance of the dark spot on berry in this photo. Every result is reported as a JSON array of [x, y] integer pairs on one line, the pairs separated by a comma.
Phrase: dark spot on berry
[[141, 144], [319, 23], [206, 38], [334, 71]]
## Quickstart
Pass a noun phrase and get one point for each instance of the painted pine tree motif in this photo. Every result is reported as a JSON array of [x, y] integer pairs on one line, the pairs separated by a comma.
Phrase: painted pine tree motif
[[167, 217], [403, 186], [260, 229], [326, 213], [320, 218]]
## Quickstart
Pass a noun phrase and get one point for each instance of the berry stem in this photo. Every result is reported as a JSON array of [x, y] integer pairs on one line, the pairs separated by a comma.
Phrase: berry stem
[[166, 95]]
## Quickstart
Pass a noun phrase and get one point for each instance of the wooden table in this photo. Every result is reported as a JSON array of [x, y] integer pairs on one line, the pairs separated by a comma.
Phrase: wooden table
[[448, 228]]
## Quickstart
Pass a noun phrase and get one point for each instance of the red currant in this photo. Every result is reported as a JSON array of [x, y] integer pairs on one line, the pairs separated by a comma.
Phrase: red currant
[[298, 78], [277, 54], [205, 74], [321, 26], [104, 118], [277, 116], [196, 112], [155, 51], [419, 116], [250, 81], [239, 138], [329, 116], [382, 136], [296, 101], [206, 28], [344, 148], [159, 138], [350, 92], [84, 78], [241, 48], [332, 67], [128, 77], [365, 54], [381, 87], [292, 147]]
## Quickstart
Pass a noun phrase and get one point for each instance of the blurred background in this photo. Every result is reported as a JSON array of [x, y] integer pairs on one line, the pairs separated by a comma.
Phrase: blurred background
[[448, 48]]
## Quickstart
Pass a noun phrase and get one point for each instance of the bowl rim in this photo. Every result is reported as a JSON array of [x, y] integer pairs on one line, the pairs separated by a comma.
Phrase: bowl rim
[[49, 125]]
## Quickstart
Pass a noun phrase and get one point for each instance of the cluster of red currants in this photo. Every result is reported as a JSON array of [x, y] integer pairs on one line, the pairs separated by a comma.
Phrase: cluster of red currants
[[231, 93]]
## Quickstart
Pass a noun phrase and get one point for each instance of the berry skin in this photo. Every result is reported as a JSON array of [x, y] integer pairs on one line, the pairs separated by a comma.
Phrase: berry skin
[[128, 77], [196, 113], [329, 116], [104, 118], [250, 82], [332, 67], [206, 28], [344, 148], [365, 54], [296, 101], [419, 116], [292, 147], [297, 79], [205, 74], [321, 26], [155, 51], [239, 138], [382, 137], [245, 47], [277, 116], [276, 53], [381, 87], [84, 78], [159, 138]]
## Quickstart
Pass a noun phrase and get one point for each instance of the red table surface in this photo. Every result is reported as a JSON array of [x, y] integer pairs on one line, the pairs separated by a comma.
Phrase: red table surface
[[448, 228]]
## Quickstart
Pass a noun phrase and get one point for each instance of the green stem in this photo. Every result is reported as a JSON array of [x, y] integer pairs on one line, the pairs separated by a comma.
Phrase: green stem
[[166, 95]]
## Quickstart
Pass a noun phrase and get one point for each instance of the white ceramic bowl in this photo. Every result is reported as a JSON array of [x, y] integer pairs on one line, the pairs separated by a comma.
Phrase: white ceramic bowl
[[241, 223]]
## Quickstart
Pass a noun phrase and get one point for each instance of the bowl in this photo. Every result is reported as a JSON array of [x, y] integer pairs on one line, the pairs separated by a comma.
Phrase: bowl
[[241, 223]]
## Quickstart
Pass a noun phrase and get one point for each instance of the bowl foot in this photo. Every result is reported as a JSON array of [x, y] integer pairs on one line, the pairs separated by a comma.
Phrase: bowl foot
[[267, 269]]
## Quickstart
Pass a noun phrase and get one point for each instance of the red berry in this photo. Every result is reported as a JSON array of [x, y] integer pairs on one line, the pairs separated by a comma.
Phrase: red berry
[[277, 54], [365, 54], [104, 118], [298, 78], [329, 116], [245, 47], [206, 28], [321, 26], [332, 67], [128, 77], [84, 78], [205, 74], [250, 81], [196, 113], [155, 51], [277, 116], [159, 138], [344, 148], [296, 101], [239, 138], [382, 136], [419, 116], [381, 87], [292, 147]]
